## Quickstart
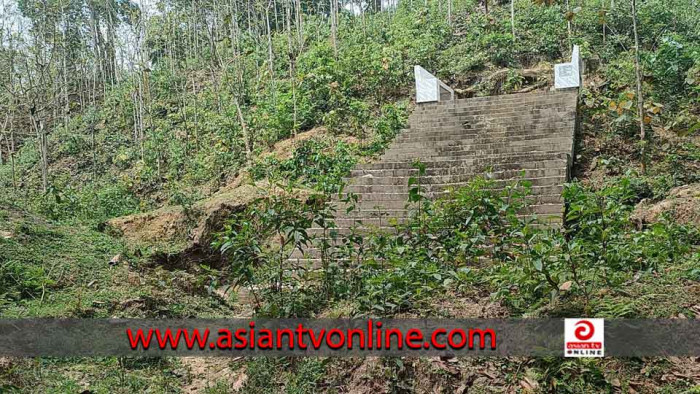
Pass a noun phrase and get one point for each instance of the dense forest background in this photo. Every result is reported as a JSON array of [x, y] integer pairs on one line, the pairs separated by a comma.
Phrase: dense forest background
[[115, 108], [127, 107]]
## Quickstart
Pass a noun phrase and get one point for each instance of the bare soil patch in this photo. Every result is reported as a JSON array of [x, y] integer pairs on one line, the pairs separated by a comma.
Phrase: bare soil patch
[[682, 205]]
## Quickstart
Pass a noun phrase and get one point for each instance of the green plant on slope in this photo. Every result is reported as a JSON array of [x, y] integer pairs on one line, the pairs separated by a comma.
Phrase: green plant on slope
[[18, 281], [315, 163], [600, 248], [257, 243]]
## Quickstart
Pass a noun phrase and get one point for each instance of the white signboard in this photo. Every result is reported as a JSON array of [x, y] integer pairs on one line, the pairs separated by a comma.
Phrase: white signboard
[[427, 86], [568, 75]]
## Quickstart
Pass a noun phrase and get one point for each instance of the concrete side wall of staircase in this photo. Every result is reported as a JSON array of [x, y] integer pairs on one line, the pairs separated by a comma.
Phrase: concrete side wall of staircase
[[502, 136]]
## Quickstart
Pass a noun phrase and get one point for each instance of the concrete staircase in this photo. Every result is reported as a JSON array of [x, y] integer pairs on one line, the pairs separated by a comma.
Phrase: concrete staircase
[[503, 136]]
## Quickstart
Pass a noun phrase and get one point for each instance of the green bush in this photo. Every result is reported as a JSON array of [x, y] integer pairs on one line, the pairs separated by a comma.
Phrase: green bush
[[600, 248], [444, 242], [315, 163], [19, 280], [92, 203], [670, 65]]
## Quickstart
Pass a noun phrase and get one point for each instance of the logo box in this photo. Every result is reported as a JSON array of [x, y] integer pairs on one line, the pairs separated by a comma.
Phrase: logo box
[[584, 337]]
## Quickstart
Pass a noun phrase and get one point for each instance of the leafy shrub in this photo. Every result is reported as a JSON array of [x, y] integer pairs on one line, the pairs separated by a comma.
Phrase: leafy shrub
[[391, 120], [93, 203], [314, 162], [444, 241], [600, 248], [18, 281], [670, 65], [257, 243]]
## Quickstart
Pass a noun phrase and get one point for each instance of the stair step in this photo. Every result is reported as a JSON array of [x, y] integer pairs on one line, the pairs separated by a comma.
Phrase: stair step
[[485, 138], [492, 109], [531, 117], [474, 105], [459, 128], [456, 178], [401, 216], [402, 208], [557, 163], [476, 153], [552, 188], [521, 99], [439, 187], [347, 230], [472, 162]]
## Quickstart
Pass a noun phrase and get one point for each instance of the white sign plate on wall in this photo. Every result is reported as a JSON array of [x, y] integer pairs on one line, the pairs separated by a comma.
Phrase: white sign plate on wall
[[426, 86], [568, 75]]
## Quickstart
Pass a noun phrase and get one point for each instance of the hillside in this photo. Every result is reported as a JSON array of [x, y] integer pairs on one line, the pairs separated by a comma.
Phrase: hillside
[[168, 161]]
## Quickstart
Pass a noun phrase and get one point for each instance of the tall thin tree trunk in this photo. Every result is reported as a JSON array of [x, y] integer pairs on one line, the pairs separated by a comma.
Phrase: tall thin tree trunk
[[94, 152], [269, 42], [334, 27], [449, 12], [244, 128], [292, 60], [5, 158], [640, 97], [12, 157], [66, 99], [568, 20], [300, 24], [512, 18], [605, 21], [43, 151]]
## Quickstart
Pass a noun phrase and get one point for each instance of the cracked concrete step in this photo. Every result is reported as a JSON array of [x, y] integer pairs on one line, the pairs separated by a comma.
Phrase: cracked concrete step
[[556, 163], [532, 117], [485, 138], [403, 208], [552, 188], [439, 187], [477, 160], [442, 136], [477, 153], [441, 179]]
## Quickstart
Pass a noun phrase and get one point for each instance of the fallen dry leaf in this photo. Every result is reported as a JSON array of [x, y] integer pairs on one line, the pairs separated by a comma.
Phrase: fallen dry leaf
[[529, 384], [696, 310], [240, 382], [115, 260], [488, 374], [615, 382], [5, 363]]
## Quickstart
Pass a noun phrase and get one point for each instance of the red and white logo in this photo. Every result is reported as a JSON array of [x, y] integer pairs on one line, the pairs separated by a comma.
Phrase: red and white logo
[[584, 337]]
